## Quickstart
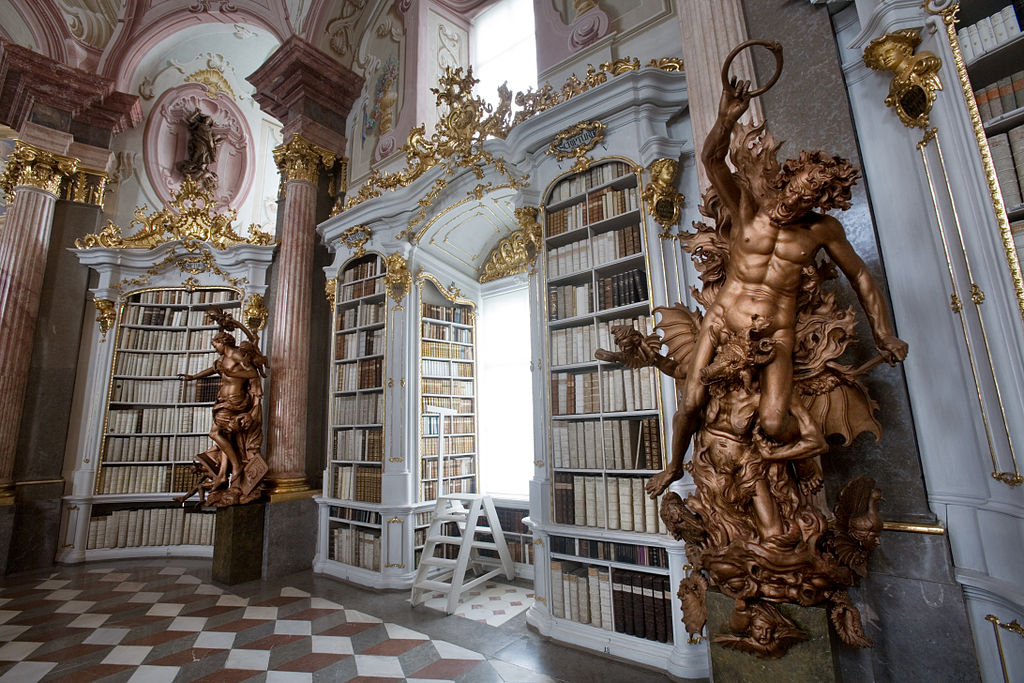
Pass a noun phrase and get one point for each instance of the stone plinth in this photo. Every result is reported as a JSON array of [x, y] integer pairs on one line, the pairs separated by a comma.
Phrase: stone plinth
[[810, 661], [238, 544]]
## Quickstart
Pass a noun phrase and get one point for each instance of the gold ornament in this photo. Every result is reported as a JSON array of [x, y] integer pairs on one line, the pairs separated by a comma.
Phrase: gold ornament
[[256, 313], [191, 216], [300, 159], [516, 253], [31, 166], [106, 316], [331, 292], [397, 278], [214, 81], [577, 141], [355, 237], [662, 199], [915, 76]]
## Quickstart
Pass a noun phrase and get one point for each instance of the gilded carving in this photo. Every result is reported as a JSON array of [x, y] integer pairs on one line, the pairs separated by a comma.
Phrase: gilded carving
[[664, 203], [763, 386], [397, 278], [355, 237], [915, 76], [256, 312], [214, 81], [577, 141], [331, 292], [191, 217], [106, 315], [31, 166], [300, 159], [517, 252]]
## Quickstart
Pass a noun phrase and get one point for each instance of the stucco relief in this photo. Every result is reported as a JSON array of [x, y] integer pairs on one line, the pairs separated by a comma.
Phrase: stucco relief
[[342, 28], [91, 21], [166, 141]]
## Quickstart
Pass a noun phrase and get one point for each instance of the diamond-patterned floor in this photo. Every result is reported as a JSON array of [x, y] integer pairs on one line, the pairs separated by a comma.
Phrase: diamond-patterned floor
[[494, 605], [160, 623]]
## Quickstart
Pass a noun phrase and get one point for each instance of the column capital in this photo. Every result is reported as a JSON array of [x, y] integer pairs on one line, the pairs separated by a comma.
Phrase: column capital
[[300, 159], [31, 166], [300, 80]]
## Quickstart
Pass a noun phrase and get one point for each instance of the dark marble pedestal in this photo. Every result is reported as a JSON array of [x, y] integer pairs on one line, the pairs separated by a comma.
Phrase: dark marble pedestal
[[810, 661], [6, 528], [238, 543]]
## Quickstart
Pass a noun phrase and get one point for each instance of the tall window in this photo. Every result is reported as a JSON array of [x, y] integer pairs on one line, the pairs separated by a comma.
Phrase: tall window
[[503, 48], [505, 393]]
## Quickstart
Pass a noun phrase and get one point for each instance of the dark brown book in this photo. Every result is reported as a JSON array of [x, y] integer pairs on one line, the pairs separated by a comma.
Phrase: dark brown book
[[625, 602], [637, 605], [651, 608], [660, 585]]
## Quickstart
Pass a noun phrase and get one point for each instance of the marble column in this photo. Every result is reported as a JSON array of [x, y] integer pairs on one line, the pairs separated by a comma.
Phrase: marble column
[[710, 30], [32, 179], [300, 163]]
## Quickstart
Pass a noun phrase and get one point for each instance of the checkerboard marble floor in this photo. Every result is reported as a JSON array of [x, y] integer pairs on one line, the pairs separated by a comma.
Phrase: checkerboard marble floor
[[157, 621], [494, 605]]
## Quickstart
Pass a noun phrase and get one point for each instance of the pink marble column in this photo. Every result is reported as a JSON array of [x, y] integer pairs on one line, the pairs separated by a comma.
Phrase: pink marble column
[[300, 163], [710, 30], [33, 175]]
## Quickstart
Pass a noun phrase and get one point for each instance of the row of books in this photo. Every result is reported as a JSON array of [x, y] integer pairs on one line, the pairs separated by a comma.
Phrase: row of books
[[357, 482], [456, 445], [462, 406], [462, 315], [443, 368], [429, 490], [520, 551], [623, 553], [453, 424], [182, 296], [166, 317], [366, 313], [605, 203], [362, 269], [593, 177], [511, 520], [568, 301], [575, 393], [363, 409], [605, 502], [578, 344], [151, 364], [622, 289], [355, 515], [134, 479], [628, 390], [601, 248], [362, 288], [355, 546], [442, 349], [154, 448], [442, 332], [610, 444], [363, 374], [1008, 158], [180, 420], [453, 467], [989, 33], [203, 390], [134, 338], [1002, 97], [358, 344], [434, 385], [151, 526], [363, 445]]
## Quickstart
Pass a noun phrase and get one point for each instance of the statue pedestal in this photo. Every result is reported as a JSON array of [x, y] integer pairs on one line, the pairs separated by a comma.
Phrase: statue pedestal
[[238, 543], [809, 661]]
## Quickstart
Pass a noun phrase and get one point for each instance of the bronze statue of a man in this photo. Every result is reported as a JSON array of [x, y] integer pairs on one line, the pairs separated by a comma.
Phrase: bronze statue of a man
[[202, 149]]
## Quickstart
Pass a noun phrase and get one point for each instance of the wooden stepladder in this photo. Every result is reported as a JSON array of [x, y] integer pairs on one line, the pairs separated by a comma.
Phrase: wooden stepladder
[[452, 580]]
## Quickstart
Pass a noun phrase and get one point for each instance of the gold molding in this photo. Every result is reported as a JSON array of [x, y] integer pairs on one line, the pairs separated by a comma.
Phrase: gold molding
[[1013, 627], [577, 141], [516, 253], [106, 316], [191, 216], [664, 204], [915, 76], [300, 159], [908, 527], [182, 263], [355, 237], [214, 81], [86, 187], [31, 166], [256, 312], [397, 278]]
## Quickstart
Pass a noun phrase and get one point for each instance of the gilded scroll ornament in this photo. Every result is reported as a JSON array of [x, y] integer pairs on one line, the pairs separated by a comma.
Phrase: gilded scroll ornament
[[516, 253], [577, 141], [764, 386], [355, 237], [214, 81], [397, 278], [915, 76], [106, 316], [256, 312], [664, 203], [331, 292], [31, 166], [192, 216], [300, 159]]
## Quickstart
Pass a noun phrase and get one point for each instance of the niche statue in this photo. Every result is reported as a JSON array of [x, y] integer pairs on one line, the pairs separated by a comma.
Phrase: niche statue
[[761, 387], [201, 151], [230, 471]]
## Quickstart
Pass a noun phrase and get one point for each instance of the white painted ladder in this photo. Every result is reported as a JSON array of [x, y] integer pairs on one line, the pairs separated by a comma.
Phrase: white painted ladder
[[452, 581]]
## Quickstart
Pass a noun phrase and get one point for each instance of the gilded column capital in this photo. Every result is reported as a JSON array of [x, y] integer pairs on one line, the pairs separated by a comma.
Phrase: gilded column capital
[[300, 159], [31, 166]]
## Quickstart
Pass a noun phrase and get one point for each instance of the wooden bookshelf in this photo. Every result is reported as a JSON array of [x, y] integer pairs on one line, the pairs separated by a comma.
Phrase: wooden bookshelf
[[605, 428], [447, 395], [356, 439]]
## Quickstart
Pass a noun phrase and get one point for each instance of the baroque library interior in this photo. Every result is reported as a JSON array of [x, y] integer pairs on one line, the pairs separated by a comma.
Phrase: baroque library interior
[[544, 313]]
